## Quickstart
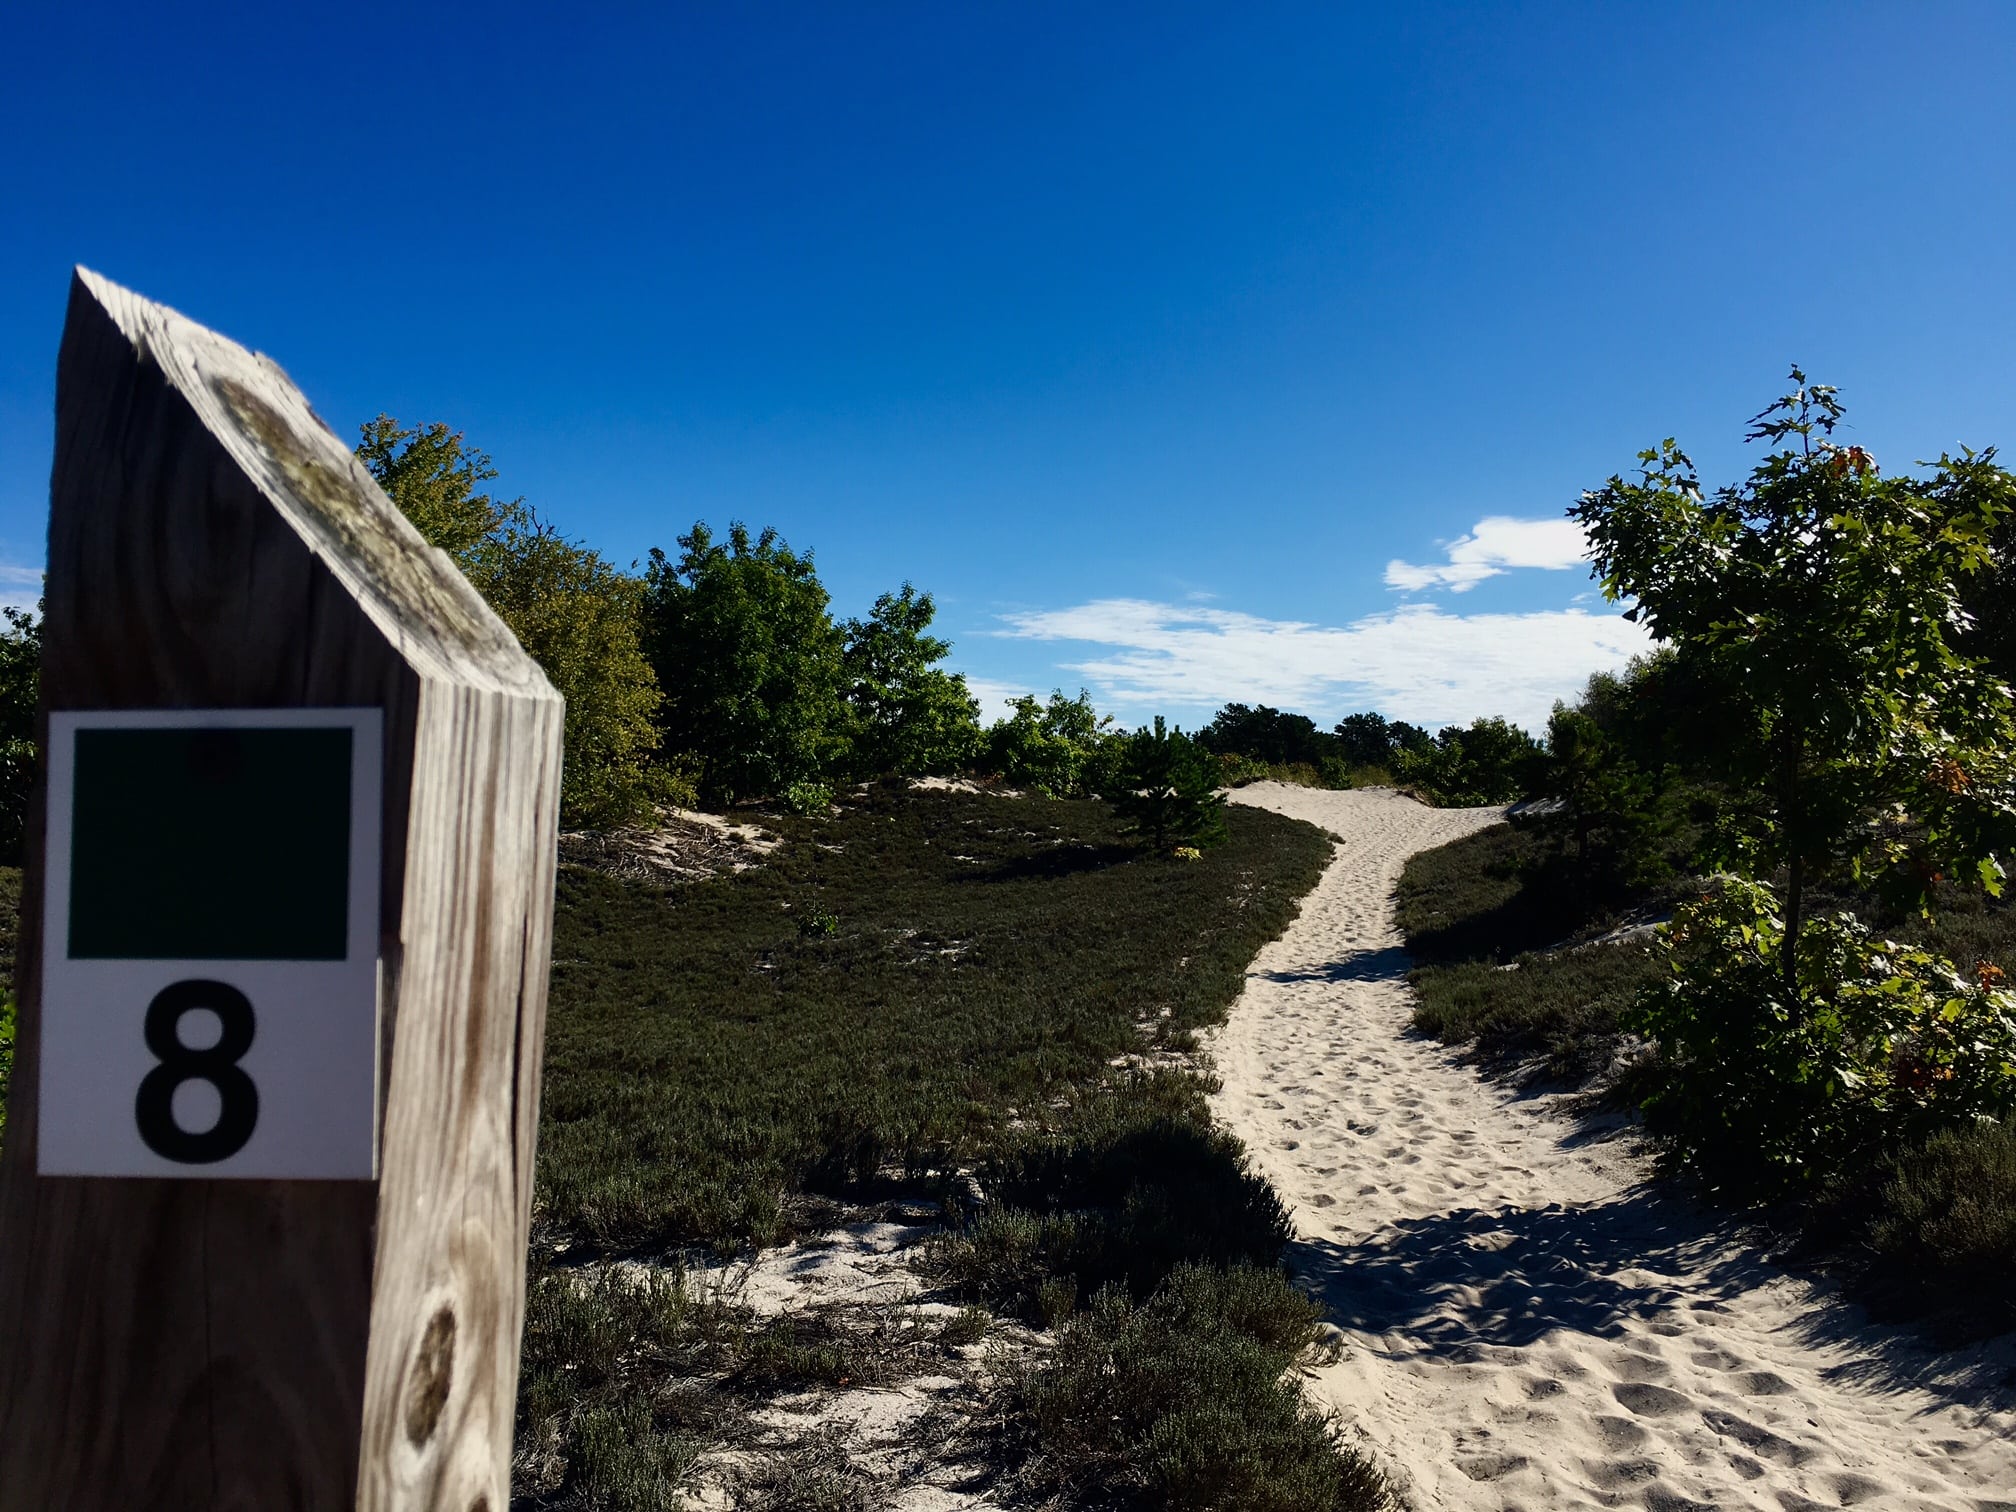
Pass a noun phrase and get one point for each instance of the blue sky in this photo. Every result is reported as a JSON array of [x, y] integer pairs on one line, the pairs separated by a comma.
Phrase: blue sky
[[1148, 338]]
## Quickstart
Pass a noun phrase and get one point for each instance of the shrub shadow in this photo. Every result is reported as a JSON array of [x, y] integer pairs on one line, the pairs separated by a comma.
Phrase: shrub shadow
[[1533, 1270], [1385, 964], [1059, 861], [1460, 1283]]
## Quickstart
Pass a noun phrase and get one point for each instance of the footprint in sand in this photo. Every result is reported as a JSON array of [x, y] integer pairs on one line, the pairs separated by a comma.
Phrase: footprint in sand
[[1758, 1440], [1639, 1368], [1762, 1383], [1650, 1401], [1717, 1359], [1489, 1467], [1615, 1433]]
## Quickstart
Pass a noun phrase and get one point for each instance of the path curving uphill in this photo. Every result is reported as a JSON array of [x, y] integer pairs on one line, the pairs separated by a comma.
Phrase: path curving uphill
[[1527, 1323]]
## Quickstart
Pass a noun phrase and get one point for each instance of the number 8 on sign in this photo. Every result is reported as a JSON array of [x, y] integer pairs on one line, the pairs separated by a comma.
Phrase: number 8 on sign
[[202, 862], [154, 1108]]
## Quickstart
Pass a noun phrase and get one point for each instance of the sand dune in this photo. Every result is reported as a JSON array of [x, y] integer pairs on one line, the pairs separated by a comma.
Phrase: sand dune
[[1526, 1322]]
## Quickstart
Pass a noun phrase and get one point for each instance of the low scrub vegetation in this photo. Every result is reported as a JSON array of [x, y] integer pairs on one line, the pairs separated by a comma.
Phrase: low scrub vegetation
[[630, 1376], [909, 978], [1124, 1199], [1487, 761], [992, 987], [917, 984], [1154, 1251], [1182, 1401], [1942, 1228]]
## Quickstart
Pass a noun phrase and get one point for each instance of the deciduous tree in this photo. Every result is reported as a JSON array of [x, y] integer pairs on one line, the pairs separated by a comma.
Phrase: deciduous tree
[[749, 659], [20, 690], [1822, 600], [1061, 748], [910, 716], [573, 612]]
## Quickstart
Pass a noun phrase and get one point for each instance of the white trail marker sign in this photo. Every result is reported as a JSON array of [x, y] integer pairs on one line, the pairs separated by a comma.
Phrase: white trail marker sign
[[286, 928]]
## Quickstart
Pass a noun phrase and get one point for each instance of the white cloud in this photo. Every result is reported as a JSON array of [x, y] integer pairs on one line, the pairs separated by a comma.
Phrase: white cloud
[[1416, 662], [994, 697], [1494, 545], [20, 587]]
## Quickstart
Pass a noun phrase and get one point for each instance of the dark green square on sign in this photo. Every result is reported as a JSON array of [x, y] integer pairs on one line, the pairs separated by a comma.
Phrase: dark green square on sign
[[213, 844]]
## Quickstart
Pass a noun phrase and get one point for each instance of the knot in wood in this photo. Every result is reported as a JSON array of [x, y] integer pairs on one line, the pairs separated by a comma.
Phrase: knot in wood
[[433, 1373]]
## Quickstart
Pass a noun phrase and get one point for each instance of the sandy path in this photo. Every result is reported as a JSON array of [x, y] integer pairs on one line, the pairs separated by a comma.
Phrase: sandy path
[[1526, 1325]]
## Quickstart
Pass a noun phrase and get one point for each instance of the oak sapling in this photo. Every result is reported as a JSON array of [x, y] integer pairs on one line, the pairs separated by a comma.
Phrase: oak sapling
[[1821, 602]]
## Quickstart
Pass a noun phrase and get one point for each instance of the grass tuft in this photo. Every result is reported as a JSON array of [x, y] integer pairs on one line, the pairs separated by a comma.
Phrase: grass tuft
[[1181, 1402], [598, 1425], [814, 1475]]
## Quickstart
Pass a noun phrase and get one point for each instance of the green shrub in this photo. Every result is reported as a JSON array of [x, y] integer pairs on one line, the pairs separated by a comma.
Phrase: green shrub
[[1122, 1203], [808, 798], [1882, 1045], [1945, 1225], [596, 1348], [621, 1462], [1492, 761], [1179, 1402], [1006, 1257], [1060, 749], [815, 922]]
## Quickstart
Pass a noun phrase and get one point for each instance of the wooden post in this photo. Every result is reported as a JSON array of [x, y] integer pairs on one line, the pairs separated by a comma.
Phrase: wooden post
[[210, 1341]]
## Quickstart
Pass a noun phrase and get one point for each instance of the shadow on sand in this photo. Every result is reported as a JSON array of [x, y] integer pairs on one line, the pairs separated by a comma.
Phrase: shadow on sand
[[1381, 965], [1457, 1284], [1460, 1280]]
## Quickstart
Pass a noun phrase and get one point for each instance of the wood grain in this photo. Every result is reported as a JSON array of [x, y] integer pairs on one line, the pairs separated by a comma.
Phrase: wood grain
[[254, 1345]]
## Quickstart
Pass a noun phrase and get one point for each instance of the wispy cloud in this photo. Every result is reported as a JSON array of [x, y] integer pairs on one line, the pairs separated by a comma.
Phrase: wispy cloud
[[20, 587], [1494, 545], [994, 697], [1416, 662]]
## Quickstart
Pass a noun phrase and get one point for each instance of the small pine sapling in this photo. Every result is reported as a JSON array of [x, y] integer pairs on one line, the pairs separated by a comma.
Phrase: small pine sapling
[[1167, 790]]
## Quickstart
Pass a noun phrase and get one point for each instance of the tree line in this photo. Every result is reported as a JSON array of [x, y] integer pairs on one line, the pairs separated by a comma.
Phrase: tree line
[[1490, 760], [719, 673]]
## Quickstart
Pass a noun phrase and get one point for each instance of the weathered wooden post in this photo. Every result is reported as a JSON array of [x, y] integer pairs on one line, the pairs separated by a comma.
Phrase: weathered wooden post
[[285, 935]]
